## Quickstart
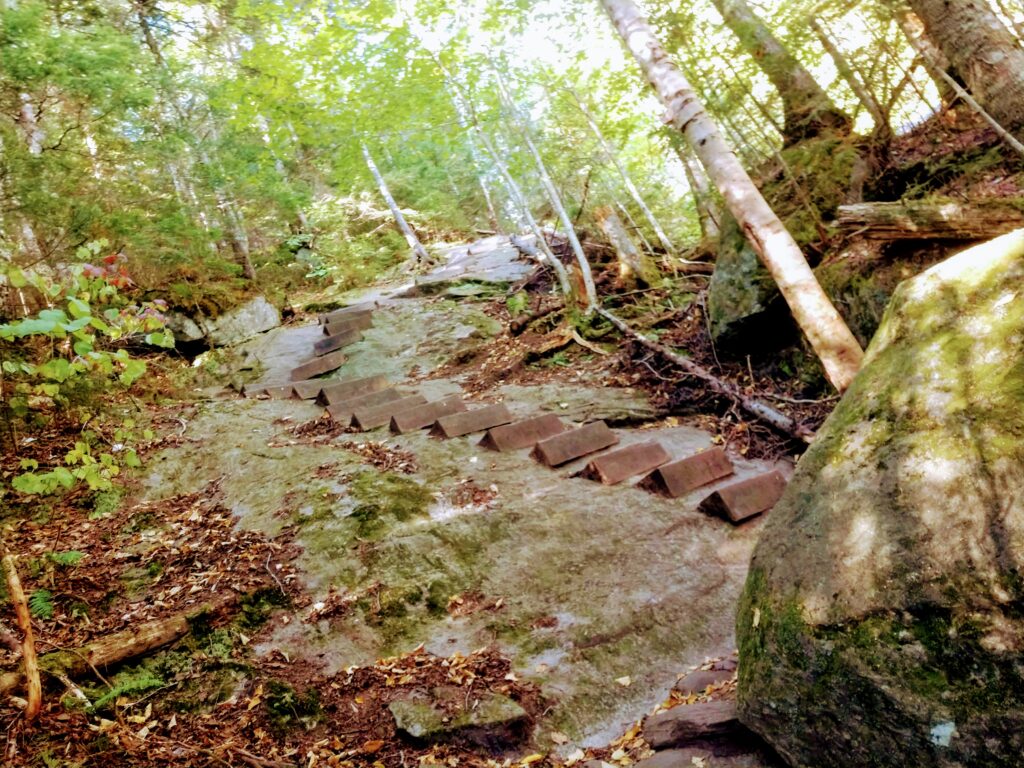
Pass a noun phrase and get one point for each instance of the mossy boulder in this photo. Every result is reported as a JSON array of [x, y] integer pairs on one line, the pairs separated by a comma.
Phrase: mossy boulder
[[882, 623], [804, 186]]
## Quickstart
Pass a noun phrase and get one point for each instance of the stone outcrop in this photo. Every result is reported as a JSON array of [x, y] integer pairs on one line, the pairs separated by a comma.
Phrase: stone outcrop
[[255, 316], [882, 620]]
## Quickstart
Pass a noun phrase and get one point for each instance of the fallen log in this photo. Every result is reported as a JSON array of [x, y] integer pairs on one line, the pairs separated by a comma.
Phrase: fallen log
[[122, 646], [929, 220], [760, 410], [30, 665]]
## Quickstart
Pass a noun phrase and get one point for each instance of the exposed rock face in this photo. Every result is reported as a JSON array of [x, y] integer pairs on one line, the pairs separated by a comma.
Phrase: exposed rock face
[[882, 619], [233, 327], [489, 720], [740, 290]]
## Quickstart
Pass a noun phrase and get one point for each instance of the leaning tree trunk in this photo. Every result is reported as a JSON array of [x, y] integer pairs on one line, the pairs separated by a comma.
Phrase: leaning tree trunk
[[808, 109], [825, 329], [859, 87], [983, 52], [627, 179], [633, 265], [707, 212], [410, 236], [553, 196]]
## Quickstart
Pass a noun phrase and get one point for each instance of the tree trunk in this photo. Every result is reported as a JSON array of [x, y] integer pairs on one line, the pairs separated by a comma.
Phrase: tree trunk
[[707, 212], [516, 193], [28, 646], [983, 52], [410, 237], [627, 180], [825, 329], [556, 199], [860, 89], [923, 220], [808, 109], [634, 267]]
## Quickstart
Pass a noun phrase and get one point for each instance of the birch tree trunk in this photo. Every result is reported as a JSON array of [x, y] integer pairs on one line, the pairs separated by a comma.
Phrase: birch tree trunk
[[707, 212], [859, 88], [627, 180], [824, 328], [555, 198], [410, 237], [983, 52], [633, 266], [808, 109]]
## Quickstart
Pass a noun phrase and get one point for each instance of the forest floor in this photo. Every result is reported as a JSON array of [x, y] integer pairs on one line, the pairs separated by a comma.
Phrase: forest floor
[[348, 571]]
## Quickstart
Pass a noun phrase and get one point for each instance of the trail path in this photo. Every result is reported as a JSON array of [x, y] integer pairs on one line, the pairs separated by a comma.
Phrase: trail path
[[583, 585]]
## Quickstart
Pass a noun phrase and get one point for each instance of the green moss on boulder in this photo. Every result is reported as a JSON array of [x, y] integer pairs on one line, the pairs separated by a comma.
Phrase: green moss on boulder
[[882, 619]]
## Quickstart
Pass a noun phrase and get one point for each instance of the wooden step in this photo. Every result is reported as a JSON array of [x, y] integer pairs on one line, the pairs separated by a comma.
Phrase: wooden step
[[522, 434], [342, 410], [309, 389], [336, 391], [614, 467], [337, 341], [371, 417], [746, 499], [477, 420], [422, 416], [344, 313], [273, 391], [357, 323], [680, 477], [319, 366], [563, 448]]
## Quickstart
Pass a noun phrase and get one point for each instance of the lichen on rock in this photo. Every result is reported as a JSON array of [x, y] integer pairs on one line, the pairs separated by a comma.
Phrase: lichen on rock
[[881, 621]]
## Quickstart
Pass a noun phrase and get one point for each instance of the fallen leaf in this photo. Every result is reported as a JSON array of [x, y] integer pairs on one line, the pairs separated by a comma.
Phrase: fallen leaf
[[530, 759], [625, 682], [559, 738], [372, 747]]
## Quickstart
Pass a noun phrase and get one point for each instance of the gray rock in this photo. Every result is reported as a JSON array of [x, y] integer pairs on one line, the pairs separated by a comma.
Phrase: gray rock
[[250, 319], [739, 293], [697, 682], [489, 720], [675, 758], [239, 324], [880, 623], [184, 327], [692, 722]]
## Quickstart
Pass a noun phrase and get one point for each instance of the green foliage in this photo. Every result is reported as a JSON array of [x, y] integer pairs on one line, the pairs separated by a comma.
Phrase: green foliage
[[287, 707], [127, 683], [517, 303], [40, 604], [65, 559], [55, 361]]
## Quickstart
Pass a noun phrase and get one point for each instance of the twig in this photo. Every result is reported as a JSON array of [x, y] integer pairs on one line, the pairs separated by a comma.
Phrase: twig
[[756, 408], [28, 646], [274, 575]]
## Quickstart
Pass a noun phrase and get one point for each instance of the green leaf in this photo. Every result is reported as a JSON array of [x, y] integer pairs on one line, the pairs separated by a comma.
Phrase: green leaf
[[40, 603], [82, 348], [65, 559], [131, 459], [64, 477], [133, 369], [17, 278], [78, 308]]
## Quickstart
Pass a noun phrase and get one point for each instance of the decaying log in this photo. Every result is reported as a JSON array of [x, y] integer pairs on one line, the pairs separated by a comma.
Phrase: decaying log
[[925, 220], [29, 662], [122, 646], [756, 408]]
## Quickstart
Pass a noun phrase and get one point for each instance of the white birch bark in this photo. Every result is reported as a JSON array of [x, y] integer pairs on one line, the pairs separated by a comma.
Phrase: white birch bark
[[556, 200], [627, 180], [410, 237], [823, 326]]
